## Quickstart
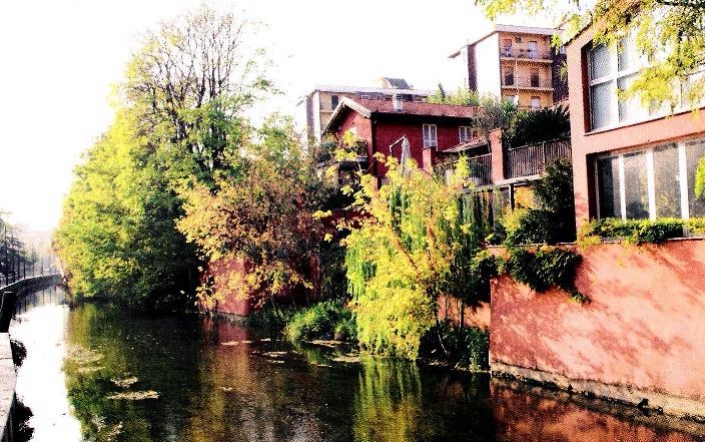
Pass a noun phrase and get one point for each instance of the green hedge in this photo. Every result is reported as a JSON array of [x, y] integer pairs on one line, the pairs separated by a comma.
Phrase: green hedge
[[645, 231]]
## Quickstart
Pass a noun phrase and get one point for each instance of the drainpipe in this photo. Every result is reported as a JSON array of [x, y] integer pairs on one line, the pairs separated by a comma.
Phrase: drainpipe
[[375, 166]]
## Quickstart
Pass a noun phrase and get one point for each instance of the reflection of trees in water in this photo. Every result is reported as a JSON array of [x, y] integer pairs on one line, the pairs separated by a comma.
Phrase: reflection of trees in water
[[107, 344], [388, 406]]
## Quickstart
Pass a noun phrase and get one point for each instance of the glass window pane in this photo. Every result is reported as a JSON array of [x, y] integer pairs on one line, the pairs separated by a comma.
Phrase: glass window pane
[[635, 186], [694, 153], [608, 187], [626, 54], [599, 62], [600, 98], [667, 182]]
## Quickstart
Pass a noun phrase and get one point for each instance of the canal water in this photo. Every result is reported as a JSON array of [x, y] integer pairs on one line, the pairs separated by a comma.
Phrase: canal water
[[102, 373]]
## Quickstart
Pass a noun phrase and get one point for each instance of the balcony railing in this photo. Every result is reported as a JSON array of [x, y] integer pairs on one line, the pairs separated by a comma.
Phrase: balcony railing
[[532, 159], [535, 54], [526, 82], [480, 169]]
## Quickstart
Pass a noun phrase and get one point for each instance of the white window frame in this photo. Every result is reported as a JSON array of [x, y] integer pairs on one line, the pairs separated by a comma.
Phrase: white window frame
[[682, 174], [465, 134], [506, 49], [537, 101], [637, 112], [533, 49], [430, 135]]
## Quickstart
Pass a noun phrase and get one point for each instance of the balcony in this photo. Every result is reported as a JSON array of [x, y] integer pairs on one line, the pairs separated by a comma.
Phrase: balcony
[[480, 169], [532, 159], [530, 82], [531, 55]]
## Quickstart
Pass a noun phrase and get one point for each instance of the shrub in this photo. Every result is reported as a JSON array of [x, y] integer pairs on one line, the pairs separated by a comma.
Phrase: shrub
[[640, 231], [466, 347], [325, 320], [545, 268], [554, 220]]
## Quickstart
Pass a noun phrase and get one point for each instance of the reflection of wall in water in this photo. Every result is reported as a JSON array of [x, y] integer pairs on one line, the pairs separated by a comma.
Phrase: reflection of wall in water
[[54, 295]]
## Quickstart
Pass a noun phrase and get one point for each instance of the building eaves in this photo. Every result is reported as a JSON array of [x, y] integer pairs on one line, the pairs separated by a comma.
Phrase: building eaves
[[370, 90], [527, 30], [346, 103]]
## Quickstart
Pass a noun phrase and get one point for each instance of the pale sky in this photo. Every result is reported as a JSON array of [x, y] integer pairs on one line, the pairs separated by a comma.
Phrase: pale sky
[[58, 60]]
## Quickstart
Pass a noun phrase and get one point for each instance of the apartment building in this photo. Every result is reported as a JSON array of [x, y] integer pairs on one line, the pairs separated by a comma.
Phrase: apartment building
[[315, 109], [515, 63]]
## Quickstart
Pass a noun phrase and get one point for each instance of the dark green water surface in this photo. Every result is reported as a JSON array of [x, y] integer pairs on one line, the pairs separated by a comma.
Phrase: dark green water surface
[[96, 372]]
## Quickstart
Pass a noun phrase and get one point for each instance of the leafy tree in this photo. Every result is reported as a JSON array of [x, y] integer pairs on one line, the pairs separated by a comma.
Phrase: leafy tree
[[542, 125], [668, 32], [413, 236], [180, 117], [495, 113], [263, 217], [190, 83], [462, 96], [117, 236]]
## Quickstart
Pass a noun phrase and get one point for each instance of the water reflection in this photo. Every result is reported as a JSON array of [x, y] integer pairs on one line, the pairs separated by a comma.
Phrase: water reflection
[[39, 323], [220, 381], [388, 403]]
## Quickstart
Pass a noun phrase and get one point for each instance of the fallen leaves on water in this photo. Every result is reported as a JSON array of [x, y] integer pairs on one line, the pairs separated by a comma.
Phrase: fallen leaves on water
[[135, 395], [326, 343], [233, 343], [348, 359], [124, 383], [82, 355], [275, 354], [87, 370]]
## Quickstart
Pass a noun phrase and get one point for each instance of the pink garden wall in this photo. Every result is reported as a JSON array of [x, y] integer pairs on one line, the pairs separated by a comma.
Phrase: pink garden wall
[[641, 336]]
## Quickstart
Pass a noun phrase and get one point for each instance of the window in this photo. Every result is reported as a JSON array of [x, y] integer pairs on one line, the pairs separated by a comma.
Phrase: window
[[508, 75], [652, 183], [533, 49], [514, 99], [465, 133], [430, 136], [506, 47], [534, 76], [333, 101], [610, 71], [535, 103]]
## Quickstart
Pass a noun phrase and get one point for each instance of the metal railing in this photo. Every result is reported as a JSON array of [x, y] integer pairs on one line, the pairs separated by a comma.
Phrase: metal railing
[[527, 82], [531, 54], [480, 169], [532, 159]]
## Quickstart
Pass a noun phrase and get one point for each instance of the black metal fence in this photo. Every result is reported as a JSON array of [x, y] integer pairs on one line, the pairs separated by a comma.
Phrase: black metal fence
[[532, 159]]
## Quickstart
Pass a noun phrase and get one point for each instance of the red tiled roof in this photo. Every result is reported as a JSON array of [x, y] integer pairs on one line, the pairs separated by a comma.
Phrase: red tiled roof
[[418, 108]]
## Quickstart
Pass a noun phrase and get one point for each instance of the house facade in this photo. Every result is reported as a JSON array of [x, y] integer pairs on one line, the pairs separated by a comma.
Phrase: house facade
[[629, 162], [315, 109], [381, 124], [515, 63]]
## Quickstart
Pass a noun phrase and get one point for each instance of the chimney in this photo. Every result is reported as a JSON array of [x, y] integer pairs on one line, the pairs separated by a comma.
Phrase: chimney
[[397, 103]]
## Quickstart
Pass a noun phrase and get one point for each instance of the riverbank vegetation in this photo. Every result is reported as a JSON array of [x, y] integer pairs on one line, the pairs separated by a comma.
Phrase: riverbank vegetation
[[181, 138], [185, 201]]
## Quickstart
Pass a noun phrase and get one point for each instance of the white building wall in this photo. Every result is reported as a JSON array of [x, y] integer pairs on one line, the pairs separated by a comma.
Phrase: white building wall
[[487, 62], [316, 105]]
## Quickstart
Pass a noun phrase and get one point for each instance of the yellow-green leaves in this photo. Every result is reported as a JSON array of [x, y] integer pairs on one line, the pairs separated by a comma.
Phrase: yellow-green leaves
[[408, 247]]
